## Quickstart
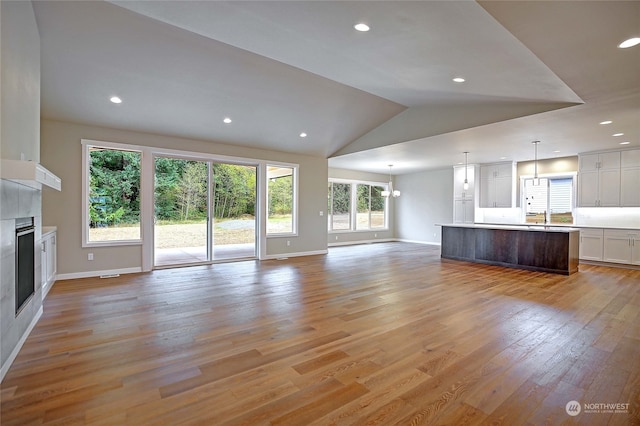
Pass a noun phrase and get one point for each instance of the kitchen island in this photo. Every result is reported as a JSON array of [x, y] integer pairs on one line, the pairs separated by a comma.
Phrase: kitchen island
[[536, 248]]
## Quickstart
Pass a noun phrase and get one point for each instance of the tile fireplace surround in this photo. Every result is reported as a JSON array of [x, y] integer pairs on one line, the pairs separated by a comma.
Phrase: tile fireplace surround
[[17, 201]]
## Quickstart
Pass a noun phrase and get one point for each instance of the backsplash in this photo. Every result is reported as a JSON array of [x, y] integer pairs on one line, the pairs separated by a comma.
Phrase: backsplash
[[610, 217], [606, 217]]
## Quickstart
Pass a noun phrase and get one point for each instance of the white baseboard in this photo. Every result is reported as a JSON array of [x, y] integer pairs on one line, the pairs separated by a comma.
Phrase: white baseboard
[[16, 350], [429, 243], [297, 254], [89, 274], [351, 243]]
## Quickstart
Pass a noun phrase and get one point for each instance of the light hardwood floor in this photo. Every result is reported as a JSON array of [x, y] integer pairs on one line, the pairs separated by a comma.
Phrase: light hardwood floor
[[375, 334]]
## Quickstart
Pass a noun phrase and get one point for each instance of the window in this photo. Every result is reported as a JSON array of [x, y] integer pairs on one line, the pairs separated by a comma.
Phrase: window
[[358, 206], [112, 195], [281, 199], [340, 207], [551, 201], [370, 204]]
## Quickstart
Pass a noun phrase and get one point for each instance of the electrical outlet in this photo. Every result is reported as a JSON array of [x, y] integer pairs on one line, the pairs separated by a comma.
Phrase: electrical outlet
[[321, 213], [375, 235], [288, 243], [90, 256]]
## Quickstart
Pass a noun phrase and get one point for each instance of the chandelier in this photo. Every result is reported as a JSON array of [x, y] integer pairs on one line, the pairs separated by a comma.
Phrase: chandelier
[[390, 191]]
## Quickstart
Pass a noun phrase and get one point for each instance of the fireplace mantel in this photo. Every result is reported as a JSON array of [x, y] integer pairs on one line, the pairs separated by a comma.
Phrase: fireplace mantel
[[29, 173]]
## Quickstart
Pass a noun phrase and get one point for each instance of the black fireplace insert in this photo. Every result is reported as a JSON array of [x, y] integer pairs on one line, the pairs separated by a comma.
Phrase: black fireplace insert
[[25, 261]]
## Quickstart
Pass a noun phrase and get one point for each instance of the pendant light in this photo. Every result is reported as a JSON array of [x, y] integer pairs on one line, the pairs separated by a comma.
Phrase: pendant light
[[536, 180], [465, 185], [390, 191]]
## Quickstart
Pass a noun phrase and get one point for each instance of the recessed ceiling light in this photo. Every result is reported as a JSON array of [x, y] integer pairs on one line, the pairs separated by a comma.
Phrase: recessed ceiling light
[[227, 120], [303, 135], [115, 100], [361, 26], [618, 134], [503, 158], [556, 151], [606, 122], [459, 80], [634, 41], [625, 143]]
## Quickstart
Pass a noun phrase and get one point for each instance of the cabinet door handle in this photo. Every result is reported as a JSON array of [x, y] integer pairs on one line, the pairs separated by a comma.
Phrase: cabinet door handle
[[44, 246]]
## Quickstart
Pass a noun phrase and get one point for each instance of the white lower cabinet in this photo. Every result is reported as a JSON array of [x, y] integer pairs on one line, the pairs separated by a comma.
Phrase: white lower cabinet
[[463, 211], [48, 261], [591, 244], [621, 246]]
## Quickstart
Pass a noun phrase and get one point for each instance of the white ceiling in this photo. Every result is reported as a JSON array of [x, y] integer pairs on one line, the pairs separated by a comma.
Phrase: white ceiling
[[547, 71]]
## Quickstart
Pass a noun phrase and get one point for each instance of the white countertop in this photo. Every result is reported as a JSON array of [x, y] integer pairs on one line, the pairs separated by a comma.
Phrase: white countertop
[[512, 227], [48, 229], [563, 226]]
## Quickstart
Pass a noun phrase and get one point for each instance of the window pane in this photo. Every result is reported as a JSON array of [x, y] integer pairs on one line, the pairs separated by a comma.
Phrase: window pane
[[551, 201], [536, 201], [280, 195], [561, 200], [340, 207], [377, 207], [114, 195], [363, 202]]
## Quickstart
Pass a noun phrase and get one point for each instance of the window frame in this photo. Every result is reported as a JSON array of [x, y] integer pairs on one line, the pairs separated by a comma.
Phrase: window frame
[[294, 207], [87, 145], [369, 210], [353, 203], [549, 177], [330, 227]]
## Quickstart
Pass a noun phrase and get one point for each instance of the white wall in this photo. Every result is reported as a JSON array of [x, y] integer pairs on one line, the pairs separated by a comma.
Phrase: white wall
[[427, 200], [20, 82], [61, 151], [20, 128]]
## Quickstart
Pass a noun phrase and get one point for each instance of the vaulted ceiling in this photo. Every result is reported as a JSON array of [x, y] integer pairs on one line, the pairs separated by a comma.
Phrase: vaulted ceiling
[[548, 71]]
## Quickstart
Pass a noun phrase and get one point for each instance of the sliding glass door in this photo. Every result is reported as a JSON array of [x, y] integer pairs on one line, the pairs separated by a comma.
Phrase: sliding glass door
[[234, 211], [181, 211], [204, 211]]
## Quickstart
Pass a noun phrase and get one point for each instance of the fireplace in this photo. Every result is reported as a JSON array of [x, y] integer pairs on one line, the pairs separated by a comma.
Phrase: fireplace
[[25, 261]]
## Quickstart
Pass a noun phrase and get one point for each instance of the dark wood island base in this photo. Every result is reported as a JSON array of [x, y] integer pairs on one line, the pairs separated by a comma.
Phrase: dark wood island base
[[536, 248]]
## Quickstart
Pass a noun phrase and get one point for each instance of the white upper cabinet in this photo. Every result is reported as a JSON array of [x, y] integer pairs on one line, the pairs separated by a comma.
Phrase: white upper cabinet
[[600, 161], [630, 178], [599, 180], [630, 158], [497, 185], [630, 187]]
